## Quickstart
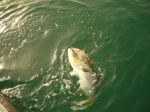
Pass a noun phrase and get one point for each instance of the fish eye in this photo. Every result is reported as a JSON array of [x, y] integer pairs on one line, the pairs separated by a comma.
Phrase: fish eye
[[85, 62]]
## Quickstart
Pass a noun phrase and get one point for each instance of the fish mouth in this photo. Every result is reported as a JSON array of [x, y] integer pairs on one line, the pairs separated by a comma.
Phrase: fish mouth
[[73, 52]]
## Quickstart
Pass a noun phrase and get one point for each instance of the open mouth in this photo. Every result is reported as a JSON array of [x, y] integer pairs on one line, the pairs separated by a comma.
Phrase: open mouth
[[74, 53]]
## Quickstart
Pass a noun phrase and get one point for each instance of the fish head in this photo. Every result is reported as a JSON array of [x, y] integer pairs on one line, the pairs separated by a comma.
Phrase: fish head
[[79, 59]]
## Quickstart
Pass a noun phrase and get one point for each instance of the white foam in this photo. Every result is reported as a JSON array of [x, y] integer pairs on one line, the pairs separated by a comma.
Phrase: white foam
[[1, 66]]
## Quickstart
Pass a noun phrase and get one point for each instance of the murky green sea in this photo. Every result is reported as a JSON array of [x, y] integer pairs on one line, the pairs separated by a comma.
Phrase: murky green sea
[[34, 66]]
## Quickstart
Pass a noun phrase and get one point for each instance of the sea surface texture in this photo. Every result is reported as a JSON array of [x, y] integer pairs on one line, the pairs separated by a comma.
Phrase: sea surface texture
[[34, 66]]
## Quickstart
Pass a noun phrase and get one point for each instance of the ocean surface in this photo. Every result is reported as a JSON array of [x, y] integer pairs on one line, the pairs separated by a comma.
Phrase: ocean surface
[[34, 66]]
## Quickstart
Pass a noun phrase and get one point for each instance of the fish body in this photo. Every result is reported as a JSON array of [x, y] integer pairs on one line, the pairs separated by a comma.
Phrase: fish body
[[83, 69]]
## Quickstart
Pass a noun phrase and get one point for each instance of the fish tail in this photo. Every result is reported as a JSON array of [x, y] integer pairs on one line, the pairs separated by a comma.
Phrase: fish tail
[[83, 104], [86, 102]]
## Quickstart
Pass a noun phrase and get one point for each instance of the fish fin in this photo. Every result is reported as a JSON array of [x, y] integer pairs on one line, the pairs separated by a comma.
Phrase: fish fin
[[85, 69], [73, 73]]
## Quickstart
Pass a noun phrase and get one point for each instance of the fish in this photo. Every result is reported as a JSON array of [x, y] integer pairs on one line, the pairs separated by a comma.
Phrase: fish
[[83, 69]]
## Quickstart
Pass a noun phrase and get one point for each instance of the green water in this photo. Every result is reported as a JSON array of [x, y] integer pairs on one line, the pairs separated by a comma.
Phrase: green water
[[34, 67]]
